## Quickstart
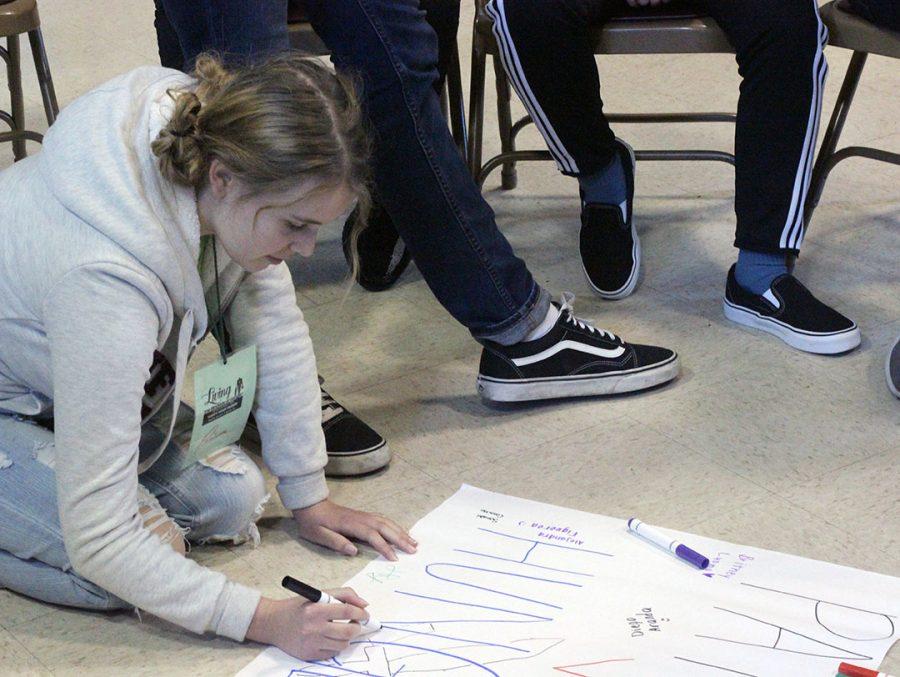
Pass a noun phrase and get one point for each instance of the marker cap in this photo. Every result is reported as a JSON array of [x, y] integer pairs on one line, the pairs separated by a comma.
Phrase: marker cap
[[858, 671], [691, 556]]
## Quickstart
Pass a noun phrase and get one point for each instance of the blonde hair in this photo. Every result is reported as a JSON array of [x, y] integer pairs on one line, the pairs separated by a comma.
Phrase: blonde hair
[[274, 124]]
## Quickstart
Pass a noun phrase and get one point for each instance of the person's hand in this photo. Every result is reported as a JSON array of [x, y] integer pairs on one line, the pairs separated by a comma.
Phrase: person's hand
[[330, 524], [306, 630], [646, 3]]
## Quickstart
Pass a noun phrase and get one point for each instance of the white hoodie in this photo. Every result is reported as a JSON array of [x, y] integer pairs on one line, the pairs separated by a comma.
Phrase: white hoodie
[[98, 267]]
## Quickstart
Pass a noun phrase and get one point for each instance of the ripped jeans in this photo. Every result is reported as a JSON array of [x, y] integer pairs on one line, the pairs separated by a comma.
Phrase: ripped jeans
[[216, 499]]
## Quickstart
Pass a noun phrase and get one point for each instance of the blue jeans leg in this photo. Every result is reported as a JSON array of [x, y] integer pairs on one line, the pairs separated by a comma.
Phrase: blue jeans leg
[[239, 30], [420, 177], [216, 499], [33, 559]]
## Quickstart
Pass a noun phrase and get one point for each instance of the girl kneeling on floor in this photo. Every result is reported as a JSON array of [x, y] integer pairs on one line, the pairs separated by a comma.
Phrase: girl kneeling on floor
[[160, 207]]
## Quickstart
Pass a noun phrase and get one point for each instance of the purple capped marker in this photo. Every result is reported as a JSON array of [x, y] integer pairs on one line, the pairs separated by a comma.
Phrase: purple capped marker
[[677, 548]]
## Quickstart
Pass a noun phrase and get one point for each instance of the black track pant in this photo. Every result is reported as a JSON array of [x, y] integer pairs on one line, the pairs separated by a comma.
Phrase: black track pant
[[546, 51]]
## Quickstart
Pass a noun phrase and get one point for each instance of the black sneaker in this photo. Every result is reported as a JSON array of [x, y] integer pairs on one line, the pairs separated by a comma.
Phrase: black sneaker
[[382, 254], [573, 359], [892, 369], [353, 447], [610, 248], [788, 310]]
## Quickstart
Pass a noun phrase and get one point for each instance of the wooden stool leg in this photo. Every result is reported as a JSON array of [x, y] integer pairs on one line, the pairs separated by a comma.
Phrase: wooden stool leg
[[476, 105], [42, 67], [504, 121], [14, 76]]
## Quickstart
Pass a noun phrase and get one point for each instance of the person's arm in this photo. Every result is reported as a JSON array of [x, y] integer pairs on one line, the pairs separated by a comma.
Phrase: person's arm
[[288, 404], [102, 331], [288, 411]]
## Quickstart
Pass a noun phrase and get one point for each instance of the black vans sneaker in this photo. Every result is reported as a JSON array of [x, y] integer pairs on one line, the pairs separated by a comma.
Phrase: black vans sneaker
[[573, 359], [789, 311], [610, 248], [353, 447], [382, 254]]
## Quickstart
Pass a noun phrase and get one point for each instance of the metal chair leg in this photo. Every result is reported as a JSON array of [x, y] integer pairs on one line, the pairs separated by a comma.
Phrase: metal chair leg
[[14, 75], [445, 106], [508, 177], [823, 163], [45, 81], [476, 105]]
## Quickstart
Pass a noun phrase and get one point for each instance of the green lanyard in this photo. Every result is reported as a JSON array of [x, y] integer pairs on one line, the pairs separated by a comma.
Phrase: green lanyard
[[218, 328]]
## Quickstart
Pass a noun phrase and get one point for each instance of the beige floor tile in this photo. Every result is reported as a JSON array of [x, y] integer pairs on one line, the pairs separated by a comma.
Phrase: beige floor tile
[[400, 475], [446, 428], [619, 468], [867, 507], [869, 238], [800, 430], [359, 345], [408, 507], [776, 524], [15, 609], [16, 660]]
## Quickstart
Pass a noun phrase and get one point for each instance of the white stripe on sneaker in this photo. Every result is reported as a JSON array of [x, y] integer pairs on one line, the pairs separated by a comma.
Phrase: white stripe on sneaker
[[568, 345], [770, 297]]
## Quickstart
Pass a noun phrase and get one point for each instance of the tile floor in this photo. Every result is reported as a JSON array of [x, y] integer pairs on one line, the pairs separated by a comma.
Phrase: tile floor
[[775, 448]]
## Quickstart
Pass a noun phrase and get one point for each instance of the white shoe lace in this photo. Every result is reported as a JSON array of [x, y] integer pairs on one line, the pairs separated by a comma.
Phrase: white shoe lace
[[330, 407], [567, 310]]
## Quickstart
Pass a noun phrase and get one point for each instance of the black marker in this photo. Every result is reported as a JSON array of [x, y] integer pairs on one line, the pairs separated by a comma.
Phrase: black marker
[[320, 597]]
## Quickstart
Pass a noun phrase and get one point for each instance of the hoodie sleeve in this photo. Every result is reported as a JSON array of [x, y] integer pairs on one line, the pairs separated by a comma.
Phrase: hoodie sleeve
[[288, 407], [102, 331]]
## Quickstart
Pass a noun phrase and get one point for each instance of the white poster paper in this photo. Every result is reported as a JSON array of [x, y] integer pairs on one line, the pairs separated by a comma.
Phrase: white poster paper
[[507, 586]]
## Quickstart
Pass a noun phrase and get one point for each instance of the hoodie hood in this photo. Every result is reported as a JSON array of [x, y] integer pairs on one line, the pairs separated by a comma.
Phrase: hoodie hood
[[97, 161]]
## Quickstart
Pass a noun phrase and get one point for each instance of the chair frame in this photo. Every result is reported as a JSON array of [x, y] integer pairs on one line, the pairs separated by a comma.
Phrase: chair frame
[[483, 45], [15, 119], [828, 157]]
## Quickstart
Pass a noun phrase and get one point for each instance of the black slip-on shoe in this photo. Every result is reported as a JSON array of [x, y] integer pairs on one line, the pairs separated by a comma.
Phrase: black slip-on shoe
[[573, 359], [789, 311], [892, 368], [382, 254], [609, 244], [353, 447]]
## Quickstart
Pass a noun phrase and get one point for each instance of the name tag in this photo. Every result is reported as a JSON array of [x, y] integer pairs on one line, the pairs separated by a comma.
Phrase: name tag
[[223, 396]]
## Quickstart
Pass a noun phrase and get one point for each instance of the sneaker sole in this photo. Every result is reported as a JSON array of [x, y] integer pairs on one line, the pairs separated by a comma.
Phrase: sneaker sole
[[524, 390], [631, 283], [821, 344], [357, 463]]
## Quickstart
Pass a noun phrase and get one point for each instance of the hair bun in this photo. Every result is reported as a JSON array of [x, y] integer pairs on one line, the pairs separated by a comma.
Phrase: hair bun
[[177, 145]]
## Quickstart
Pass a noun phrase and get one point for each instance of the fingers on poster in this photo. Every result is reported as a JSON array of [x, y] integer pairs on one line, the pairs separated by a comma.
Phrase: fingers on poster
[[506, 586]]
